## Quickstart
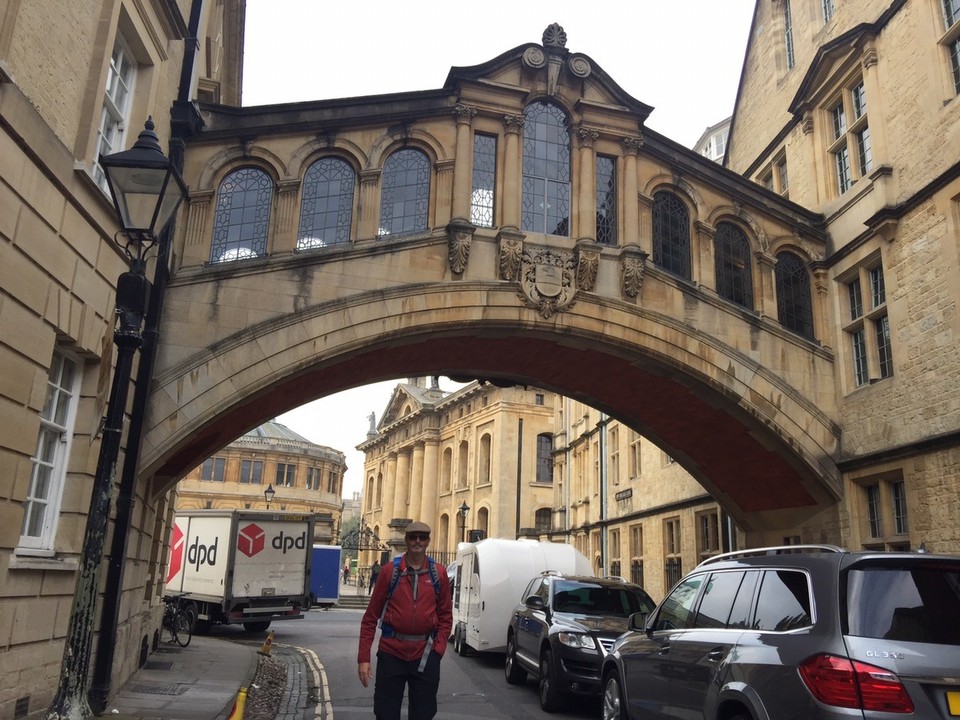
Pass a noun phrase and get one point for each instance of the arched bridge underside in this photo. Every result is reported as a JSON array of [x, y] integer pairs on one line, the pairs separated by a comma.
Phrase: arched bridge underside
[[744, 406]]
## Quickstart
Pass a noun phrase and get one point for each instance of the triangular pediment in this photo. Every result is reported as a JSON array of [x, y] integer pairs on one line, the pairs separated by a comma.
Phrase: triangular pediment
[[831, 63]]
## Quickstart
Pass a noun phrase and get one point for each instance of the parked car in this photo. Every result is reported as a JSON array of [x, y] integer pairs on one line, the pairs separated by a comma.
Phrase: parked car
[[795, 632], [564, 627]]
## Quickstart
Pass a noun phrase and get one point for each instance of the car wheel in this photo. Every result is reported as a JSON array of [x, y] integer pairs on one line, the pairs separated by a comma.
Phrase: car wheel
[[256, 625], [514, 673], [550, 696], [612, 699]]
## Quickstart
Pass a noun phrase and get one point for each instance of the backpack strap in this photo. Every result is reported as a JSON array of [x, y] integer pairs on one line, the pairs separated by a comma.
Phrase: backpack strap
[[395, 579]]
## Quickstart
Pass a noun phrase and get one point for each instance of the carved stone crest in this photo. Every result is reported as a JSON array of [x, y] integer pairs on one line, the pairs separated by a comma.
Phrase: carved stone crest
[[633, 265], [547, 280]]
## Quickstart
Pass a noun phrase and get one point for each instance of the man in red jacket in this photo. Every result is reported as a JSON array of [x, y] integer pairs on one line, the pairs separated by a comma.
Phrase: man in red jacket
[[416, 622]]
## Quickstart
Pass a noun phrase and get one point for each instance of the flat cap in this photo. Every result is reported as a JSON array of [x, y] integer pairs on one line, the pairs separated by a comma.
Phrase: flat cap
[[417, 527]]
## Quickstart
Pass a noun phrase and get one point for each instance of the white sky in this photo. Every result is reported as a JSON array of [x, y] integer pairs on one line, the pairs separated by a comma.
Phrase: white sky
[[682, 57]]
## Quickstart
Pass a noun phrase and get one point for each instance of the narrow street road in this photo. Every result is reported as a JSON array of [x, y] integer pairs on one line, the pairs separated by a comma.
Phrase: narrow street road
[[471, 688]]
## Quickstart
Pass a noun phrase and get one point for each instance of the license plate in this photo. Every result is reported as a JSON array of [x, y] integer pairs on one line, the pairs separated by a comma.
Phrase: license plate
[[953, 702]]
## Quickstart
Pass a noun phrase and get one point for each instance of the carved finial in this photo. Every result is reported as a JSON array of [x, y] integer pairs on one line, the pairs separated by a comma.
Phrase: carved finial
[[554, 36]]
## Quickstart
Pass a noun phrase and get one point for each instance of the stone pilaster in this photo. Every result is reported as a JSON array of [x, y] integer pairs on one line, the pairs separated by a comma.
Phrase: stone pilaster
[[369, 214], [587, 195], [512, 169], [463, 163]]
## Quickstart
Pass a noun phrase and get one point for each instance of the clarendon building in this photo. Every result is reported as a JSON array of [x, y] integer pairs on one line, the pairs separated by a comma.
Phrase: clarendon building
[[488, 461], [783, 326]]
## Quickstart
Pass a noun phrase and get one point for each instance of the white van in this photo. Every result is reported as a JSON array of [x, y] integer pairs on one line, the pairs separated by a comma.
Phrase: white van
[[491, 576]]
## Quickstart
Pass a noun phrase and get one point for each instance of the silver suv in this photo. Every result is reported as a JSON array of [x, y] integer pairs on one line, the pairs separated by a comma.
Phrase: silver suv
[[795, 632]]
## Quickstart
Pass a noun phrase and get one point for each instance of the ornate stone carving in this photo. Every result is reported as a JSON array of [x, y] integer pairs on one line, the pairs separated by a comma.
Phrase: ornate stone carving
[[513, 123], [631, 145], [547, 280], [510, 252], [579, 66], [459, 239], [633, 265], [587, 136], [588, 263], [463, 113], [554, 36], [534, 57]]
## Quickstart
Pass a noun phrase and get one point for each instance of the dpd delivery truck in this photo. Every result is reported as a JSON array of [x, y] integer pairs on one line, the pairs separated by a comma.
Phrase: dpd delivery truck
[[240, 566]]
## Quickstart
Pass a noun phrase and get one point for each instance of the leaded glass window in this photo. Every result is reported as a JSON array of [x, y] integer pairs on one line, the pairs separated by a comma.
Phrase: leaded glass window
[[546, 170], [671, 234], [405, 193], [484, 179], [794, 304], [326, 210], [734, 271], [242, 216], [606, 200]]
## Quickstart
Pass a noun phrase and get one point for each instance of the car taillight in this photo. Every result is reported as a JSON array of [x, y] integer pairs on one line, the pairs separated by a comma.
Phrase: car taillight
[[847, 683]]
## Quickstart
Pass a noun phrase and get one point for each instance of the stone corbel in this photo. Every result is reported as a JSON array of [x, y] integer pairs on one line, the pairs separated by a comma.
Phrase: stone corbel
[[587, 257], [633, 265], [511, 253], [459, 239]]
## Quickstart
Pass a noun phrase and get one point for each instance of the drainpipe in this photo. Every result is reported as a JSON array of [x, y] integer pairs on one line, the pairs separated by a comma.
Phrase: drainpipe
[[519, 472], [100, 686], [603, 492]]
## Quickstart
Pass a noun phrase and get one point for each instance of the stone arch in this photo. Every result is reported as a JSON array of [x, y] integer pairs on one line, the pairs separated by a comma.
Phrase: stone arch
[[308, 153], [661, 376], [745, 220], [416, 139], [232, 158], [681, 188]]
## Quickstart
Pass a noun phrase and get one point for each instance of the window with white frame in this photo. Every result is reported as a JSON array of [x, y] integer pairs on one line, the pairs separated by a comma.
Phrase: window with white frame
[[868, 324], [826, 7], [850, 147], [885, 521], [115, 113], [951, 38], [41, 507]]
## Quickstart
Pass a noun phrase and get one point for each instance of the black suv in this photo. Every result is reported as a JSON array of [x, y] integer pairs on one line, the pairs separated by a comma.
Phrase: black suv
[[564, 628], [795, 632]]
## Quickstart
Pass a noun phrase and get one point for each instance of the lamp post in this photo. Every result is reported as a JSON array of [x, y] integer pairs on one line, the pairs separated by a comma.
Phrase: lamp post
[[268, 494], [464, 509], [146, 191]]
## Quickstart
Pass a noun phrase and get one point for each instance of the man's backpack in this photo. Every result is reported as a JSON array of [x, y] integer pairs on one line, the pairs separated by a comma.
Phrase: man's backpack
[[395, 580]]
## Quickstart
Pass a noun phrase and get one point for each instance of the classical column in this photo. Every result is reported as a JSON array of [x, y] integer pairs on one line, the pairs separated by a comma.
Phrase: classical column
[[445, 180], [389, 489], [431, 472], [286, 226], [631, 190], [199, 236], [416, 483], [369, 220], [766, 300], [645, 210], [705, 258], [512, 170], [463, 163], [402, 484], [587, 196]]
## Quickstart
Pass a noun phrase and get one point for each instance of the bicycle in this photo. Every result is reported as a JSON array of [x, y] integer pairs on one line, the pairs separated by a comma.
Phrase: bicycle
[[176, 622]]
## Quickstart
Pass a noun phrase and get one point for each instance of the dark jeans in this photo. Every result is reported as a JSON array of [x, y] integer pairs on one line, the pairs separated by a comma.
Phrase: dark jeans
[[393, 674]]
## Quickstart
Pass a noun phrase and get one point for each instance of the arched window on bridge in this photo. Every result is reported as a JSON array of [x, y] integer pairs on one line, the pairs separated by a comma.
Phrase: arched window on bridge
[[671, 234], [405, 193], [326, 210], [734, 271], [546, 170], [794, 305], [242, 216]]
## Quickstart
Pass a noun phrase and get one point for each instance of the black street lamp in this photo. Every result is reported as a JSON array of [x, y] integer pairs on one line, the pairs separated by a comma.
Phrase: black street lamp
[[464, 509], [146, 191], [268, 494]]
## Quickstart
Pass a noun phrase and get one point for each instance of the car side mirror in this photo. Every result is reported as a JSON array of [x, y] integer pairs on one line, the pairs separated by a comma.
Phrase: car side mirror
[[534, 602], [638, 621]]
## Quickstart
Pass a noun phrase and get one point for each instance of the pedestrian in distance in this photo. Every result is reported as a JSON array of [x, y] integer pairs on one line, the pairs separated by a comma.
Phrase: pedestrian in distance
[[346, 573], [374, 571], [411, 604]]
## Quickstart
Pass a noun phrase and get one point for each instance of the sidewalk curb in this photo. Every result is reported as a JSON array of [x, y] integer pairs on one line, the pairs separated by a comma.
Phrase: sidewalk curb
[[249, 677]]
